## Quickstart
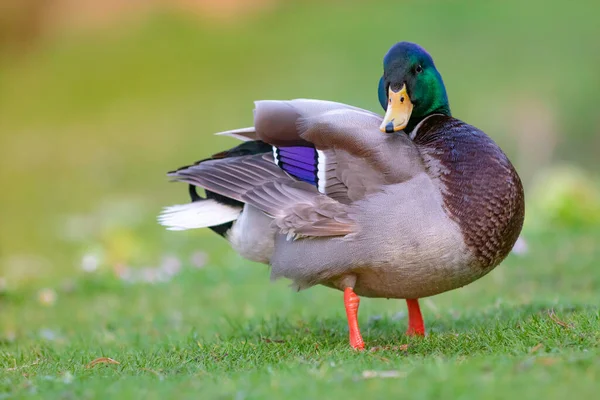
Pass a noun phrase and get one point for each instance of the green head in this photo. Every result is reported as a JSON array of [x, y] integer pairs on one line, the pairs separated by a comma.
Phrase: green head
[[411, 88]]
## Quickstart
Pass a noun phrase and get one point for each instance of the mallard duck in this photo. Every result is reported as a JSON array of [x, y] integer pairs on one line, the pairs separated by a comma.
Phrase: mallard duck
[[406, 206]]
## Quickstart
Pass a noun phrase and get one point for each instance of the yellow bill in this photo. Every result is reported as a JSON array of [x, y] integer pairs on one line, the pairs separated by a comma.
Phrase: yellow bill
[[398, 111]]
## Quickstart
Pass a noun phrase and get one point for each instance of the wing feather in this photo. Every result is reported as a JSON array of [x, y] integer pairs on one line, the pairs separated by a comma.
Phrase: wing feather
[[326, 156], [295, 206], [348, 150]]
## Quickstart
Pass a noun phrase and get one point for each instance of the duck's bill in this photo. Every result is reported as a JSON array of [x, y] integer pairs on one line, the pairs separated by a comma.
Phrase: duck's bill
[[398, 111]]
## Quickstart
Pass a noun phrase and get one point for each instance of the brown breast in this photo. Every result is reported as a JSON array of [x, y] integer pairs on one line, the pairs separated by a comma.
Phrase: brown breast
[[482, 191]]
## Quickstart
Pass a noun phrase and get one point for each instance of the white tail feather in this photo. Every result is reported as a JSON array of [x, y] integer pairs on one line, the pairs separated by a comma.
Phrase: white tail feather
[[243, 134], [199, 214]]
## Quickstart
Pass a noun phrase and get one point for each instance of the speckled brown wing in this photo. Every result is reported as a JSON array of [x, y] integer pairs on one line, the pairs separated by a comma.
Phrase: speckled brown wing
[[481, 190]]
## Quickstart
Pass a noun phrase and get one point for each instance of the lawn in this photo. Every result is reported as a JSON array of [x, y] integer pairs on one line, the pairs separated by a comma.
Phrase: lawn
[[216, 328], [98, 301]]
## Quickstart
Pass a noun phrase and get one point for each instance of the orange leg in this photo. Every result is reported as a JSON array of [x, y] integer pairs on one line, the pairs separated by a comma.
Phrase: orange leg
[[416, 326], [351, 301]]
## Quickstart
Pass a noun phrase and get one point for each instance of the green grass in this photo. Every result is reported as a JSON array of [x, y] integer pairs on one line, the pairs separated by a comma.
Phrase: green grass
[[530, 329], [90, 122]]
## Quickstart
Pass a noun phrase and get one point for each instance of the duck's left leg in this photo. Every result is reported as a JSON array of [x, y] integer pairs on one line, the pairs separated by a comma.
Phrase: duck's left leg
[[351, 302], [416, 326]]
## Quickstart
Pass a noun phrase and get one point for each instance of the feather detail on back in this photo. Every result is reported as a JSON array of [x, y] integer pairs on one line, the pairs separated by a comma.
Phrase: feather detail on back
[[199, 214], [322, 217]]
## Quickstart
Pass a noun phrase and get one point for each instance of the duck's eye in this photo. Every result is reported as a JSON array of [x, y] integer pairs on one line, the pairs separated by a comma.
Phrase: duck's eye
[[419, 69]]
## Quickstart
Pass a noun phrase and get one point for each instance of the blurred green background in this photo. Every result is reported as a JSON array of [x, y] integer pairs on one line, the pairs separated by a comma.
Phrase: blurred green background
[[99, 99]]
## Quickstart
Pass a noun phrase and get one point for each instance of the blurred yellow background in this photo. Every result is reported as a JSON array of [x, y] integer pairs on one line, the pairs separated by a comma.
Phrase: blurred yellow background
[[98, 99]]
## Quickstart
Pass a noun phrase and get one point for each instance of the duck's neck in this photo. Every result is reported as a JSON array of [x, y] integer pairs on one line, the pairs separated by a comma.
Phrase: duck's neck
[[433, 99], [443, 108]]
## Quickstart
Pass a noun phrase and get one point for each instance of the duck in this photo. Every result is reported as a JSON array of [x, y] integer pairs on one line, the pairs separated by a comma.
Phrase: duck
[[406, 205]]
